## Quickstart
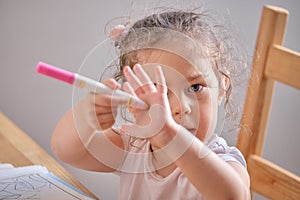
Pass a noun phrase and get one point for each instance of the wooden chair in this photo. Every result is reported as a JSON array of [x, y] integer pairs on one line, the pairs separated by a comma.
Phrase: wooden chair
[[272, 62]]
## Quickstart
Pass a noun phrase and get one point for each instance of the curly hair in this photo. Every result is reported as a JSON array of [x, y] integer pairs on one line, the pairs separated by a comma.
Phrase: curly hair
[[207, 35]]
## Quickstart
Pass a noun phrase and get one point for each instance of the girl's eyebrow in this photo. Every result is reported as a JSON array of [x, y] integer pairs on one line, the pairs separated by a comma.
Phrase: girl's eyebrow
[[193, 77]]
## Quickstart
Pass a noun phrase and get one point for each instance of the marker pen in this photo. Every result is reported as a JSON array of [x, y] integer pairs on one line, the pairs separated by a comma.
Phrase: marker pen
[[88, 84]]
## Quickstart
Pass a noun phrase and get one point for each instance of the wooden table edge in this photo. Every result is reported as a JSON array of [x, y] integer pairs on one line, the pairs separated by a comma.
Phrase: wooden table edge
[[36, 154]]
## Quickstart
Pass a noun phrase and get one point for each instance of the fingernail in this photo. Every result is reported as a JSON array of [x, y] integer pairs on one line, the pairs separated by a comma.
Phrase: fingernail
[[137, 66], [126, 69]]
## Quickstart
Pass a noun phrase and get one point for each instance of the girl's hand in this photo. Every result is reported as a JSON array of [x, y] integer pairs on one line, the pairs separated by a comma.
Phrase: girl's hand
[[99, 110], [156, 122]]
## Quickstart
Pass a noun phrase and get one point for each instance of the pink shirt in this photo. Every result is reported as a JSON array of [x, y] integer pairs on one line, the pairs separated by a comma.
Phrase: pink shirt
[[151, 186]]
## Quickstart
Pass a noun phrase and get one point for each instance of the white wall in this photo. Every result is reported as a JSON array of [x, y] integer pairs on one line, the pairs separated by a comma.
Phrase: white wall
[[63, 33]]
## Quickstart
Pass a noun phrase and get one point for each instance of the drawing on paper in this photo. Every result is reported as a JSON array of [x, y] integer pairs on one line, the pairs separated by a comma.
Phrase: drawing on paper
[[32, 186]]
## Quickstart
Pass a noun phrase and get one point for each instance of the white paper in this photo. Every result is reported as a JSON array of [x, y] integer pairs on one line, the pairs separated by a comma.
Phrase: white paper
[[35, 182]]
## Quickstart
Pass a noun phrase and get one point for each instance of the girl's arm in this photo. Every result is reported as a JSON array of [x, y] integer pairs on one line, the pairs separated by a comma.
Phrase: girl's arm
[[74, 136], [213, 177]]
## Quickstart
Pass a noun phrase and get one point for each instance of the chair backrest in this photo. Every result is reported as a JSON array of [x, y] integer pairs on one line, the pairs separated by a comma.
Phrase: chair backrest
[[271, 62]]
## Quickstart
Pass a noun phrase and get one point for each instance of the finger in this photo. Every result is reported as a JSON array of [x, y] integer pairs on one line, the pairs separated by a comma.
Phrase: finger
[[107, 100], [133, 80], [144, 78], [106, 118], [105, 121], [106, 125], [112, 83], [160, 80], [128, 88], [105, 110], [104, 100]]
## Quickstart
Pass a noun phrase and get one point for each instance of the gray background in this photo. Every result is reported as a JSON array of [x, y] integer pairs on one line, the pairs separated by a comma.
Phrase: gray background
[[64, 32]]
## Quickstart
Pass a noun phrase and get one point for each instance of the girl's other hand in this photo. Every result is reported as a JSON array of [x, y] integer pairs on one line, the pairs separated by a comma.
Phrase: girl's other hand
[[99, 110], [154, 123]]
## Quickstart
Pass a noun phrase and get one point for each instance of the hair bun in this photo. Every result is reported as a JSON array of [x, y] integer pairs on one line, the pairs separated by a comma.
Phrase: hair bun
[[118, 33]]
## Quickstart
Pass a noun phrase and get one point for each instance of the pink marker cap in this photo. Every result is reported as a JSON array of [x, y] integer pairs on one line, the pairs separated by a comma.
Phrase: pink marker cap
[[54, 72]]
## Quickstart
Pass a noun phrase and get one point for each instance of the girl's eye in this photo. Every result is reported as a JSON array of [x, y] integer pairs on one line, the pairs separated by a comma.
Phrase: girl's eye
[[195, 88]]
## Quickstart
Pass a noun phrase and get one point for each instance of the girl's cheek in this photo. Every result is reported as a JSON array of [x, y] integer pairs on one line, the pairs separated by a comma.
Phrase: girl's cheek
[[208, 113], [213, 117]]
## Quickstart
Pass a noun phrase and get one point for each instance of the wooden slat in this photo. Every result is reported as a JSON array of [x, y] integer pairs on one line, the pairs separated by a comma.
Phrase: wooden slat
[[271, 180], [258, 99], [271, 62], [19, 149], [284, 65]]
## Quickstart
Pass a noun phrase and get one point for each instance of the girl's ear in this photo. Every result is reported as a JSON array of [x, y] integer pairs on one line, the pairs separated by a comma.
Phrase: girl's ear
[[223, 88]]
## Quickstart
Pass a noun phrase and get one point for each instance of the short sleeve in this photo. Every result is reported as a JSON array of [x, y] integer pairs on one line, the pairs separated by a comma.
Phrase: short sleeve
[[228, 153]]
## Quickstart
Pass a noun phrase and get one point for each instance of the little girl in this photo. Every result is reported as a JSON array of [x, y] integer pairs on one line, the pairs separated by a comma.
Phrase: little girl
[[178, 65]]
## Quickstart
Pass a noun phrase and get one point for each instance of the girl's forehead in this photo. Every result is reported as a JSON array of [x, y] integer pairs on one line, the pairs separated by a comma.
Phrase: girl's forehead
[[175, 66]]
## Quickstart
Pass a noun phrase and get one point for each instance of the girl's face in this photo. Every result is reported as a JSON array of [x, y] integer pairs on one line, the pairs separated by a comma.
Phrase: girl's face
[[193, 92]]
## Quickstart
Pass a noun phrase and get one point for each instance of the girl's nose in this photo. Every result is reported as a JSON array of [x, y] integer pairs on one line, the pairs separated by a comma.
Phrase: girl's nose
[[179, 106]]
